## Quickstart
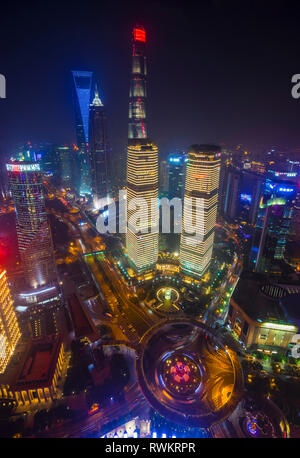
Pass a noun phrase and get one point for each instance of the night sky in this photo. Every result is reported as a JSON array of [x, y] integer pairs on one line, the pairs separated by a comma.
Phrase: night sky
[[218, 71]]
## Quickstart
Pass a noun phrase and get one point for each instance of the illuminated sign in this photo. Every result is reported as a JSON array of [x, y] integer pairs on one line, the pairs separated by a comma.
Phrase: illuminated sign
[[271, 202], [286, 189], [23, 167], [286, 174], [280, 327], [246, 197], [139, 35]]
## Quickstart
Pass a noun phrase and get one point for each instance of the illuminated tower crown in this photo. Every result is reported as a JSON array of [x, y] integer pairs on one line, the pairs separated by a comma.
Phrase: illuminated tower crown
[[137, 111]]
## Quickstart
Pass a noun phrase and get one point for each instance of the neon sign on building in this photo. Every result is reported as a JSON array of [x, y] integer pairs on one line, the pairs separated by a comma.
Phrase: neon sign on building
[[23, 167]]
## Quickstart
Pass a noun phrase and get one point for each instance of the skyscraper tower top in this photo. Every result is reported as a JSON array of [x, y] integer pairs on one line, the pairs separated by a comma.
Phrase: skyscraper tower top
[[137, 95], [97, 101]]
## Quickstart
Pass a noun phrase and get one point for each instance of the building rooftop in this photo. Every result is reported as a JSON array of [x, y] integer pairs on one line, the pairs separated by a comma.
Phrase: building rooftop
[[39, 363], [82, 324], [291, 306], [205, 148], [259, 299]]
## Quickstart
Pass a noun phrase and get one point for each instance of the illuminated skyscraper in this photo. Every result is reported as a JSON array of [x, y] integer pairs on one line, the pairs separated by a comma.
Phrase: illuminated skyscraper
[[142, 183], [201, 190], [65, 164], [98, 152], [34, 238], [83, 84], [142, 169], [9, 328], [177, 164], [273, 221], [50, 159], [41, 296]]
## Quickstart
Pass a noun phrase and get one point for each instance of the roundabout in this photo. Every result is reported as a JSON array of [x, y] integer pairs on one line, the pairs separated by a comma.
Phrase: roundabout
[[179, 374], [187, 374]]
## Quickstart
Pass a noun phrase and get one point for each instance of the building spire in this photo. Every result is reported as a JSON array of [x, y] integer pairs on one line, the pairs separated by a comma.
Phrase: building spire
[[97, 100]]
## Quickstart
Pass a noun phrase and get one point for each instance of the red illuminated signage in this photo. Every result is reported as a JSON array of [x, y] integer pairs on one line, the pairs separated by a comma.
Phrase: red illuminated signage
[[139, 35]]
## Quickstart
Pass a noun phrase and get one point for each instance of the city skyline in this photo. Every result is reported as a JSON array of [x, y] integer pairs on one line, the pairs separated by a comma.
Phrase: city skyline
[[150, 283], [248, 111]]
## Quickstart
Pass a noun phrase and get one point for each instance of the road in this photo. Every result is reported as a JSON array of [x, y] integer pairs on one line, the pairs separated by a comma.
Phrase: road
[[134, 402], [228, 284], [130, 315]]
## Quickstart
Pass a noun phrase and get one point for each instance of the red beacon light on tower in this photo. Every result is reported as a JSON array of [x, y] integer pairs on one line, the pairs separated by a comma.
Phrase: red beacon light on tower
[[139, 34]]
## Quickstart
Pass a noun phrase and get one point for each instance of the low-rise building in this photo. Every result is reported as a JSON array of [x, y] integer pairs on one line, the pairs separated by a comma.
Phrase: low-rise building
[[37, 378], [256, 317]]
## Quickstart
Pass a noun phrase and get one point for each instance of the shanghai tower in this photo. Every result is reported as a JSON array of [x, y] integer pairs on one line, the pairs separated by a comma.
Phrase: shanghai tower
[[137, 95], [142, 168]]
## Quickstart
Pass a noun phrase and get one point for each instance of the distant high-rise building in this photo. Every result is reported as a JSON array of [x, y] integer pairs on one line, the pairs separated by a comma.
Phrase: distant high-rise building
[[65, 164], [176, 164], [201, 190], [84, 91], [142, 168], [273, 221], [49, 158], [251, 190], [98, 152], [226, 161], [41, 296], [9, 328], [163, 179], [232, 193], [295, 221], [3, 181]]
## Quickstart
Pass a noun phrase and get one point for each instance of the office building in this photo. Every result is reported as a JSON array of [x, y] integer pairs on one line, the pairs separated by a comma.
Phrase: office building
[[200, 208], [142, 183], [273, 221], [232, 193], [83, 93], [65, 164], [40, 298], [177, 163], [33, 232], [256, 317], [98, 152], [9, 328]]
